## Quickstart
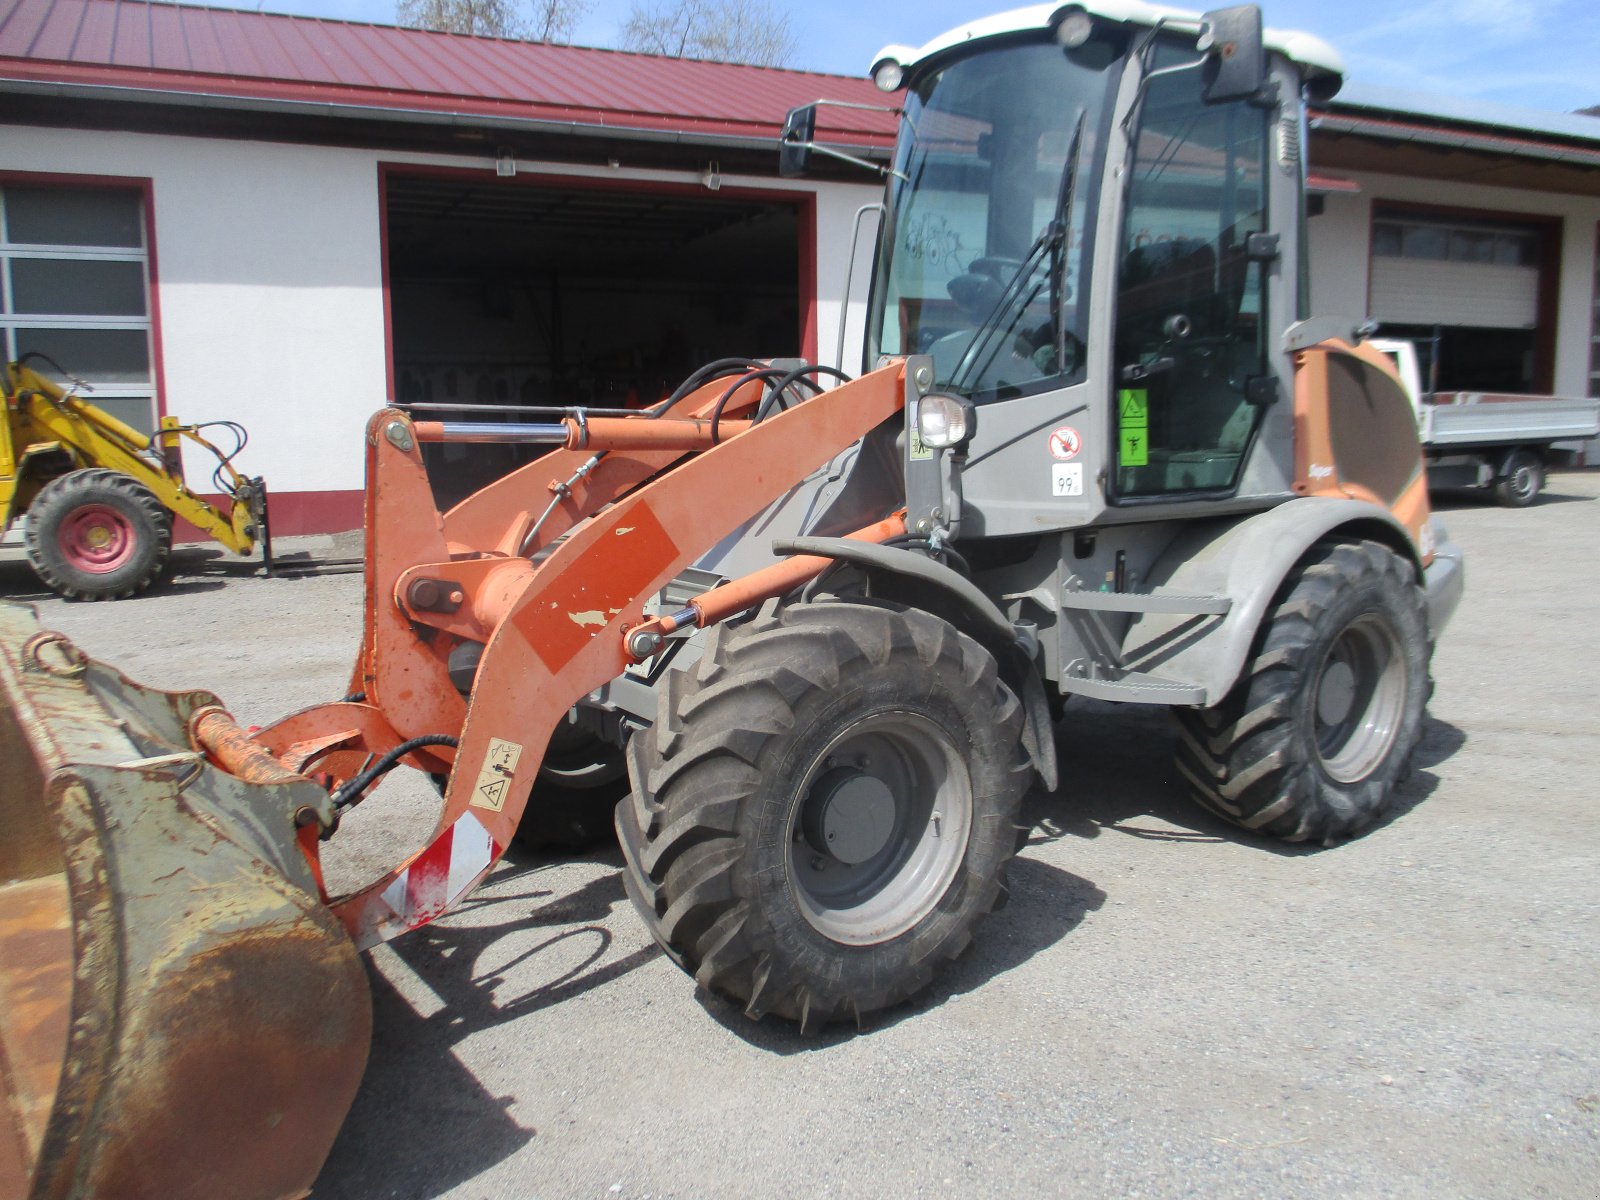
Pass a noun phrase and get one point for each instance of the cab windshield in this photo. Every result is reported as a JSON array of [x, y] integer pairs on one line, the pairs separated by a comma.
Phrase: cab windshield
[[984, 259]]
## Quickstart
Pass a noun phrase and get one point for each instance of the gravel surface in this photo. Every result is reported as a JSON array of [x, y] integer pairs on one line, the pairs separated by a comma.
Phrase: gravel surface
[[1168, 1007]]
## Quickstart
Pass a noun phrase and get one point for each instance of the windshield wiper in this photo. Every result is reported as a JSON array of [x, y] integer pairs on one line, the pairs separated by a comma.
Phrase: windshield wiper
[[1063, 215], [1052, 238]]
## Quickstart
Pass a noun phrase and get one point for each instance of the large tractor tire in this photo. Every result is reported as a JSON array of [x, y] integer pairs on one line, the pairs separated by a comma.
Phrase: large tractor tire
[[1311, 742], [825, 808], [1521, 480], [574, 798], [97, 534]]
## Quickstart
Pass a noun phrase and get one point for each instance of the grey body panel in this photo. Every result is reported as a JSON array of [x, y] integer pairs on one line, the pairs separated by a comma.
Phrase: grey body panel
[[1246, 561], [1446, 579]]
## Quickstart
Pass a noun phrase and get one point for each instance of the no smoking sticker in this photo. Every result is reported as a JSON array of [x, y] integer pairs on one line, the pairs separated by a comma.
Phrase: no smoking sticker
[[1065, 443]]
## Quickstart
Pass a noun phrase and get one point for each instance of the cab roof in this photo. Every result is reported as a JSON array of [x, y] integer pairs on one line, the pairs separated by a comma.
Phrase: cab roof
[[1314, 57]]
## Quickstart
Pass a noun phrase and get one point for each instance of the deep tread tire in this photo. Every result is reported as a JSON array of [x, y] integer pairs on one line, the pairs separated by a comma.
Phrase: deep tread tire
[[1254, 759], [574, 796], [711, 836], [141, 520], [1522, 481]]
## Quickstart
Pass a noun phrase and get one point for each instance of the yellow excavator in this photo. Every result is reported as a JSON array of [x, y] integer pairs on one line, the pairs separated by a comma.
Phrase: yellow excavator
[[100, 496]]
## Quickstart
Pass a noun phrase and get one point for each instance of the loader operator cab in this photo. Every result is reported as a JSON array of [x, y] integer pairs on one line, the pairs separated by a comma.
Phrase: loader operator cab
[[1086, 223]]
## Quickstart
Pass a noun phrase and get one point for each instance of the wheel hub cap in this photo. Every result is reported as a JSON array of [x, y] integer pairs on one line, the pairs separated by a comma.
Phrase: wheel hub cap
[[855, 816], [1337, 694]]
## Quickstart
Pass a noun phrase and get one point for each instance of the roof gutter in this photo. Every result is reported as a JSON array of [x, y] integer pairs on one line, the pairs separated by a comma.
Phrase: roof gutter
[[417, 116], [1388, 130]]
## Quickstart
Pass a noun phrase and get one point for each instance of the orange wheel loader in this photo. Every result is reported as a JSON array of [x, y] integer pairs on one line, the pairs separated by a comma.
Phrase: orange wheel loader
[[826, 625]]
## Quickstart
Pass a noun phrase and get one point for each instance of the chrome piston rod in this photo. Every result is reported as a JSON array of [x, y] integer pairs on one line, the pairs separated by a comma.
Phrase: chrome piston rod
[[480, 432]]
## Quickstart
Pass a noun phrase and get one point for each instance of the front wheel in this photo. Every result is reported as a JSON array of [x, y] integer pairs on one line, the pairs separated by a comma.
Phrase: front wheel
[[1311, 742], [97, 534], [825, 808]]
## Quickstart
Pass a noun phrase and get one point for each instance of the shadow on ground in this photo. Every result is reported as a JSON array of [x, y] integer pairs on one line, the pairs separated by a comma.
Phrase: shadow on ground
[[1044, 904], [416, 1096], [1118, 776]]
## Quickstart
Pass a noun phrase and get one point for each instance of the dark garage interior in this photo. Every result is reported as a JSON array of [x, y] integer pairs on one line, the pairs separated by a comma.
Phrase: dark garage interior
[[519, 291]]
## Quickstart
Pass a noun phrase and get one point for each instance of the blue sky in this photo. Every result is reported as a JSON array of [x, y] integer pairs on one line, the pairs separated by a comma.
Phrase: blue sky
[[1541, 54]]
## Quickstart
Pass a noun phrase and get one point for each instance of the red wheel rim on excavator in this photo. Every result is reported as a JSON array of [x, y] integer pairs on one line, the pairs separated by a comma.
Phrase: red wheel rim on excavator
[[97, 539]]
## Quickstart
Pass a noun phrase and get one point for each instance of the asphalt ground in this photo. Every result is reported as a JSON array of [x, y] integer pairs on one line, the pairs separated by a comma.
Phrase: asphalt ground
[[1168, 1006]]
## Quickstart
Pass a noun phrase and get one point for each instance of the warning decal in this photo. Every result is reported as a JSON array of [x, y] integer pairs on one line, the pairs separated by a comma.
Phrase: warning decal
[[494, 778], [1133, 424], [1065, 443]]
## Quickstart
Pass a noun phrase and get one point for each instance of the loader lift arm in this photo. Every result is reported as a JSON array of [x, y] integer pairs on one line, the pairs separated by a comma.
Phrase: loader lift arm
[[636, 500]]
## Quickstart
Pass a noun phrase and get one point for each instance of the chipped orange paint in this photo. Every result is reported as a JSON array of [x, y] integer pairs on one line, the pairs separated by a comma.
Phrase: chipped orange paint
[[555, 631]]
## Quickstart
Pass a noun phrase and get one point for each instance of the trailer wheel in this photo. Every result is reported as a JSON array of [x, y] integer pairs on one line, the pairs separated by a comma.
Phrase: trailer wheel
[[1521, 479], [97, 534], [575, 793], [825, 808], [1311, 742]]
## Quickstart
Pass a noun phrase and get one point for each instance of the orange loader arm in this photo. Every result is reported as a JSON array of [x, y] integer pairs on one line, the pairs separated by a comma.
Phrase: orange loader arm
[[629, 503]]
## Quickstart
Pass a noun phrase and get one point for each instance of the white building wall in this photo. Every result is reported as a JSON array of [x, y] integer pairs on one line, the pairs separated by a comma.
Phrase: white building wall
[[270, 280], [1341, 254], [269, 288]]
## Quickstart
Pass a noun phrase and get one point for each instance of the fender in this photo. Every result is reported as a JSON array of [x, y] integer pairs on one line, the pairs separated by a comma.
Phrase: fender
[[950, 595], [1246, 561]]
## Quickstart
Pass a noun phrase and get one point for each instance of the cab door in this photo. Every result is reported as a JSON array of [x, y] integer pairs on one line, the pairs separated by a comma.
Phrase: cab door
[[1189, 348]]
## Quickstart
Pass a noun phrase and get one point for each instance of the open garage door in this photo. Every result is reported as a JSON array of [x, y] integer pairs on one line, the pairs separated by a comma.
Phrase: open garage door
[[524, 291]]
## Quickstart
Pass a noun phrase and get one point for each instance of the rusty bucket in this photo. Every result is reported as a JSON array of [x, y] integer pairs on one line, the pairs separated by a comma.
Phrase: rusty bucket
[[180, 1016]]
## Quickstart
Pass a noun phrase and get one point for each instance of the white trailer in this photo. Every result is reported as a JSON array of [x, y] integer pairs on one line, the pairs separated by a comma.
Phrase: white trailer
[[1488, 439]]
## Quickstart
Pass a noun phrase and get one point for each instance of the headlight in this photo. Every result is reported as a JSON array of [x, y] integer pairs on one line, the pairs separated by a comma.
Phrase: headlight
[[888, 75], [944, 421]]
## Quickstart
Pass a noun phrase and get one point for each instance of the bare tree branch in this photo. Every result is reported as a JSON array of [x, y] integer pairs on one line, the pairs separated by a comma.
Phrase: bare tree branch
[[556, 20], [546, 20], [748, 31]]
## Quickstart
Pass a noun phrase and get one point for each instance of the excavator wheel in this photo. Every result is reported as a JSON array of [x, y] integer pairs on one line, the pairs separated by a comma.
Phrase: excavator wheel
[[575, 793], [1311, 742], [96, 534], [825, 808]]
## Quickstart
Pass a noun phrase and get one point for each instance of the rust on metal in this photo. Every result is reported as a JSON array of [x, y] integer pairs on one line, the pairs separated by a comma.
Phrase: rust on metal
[[214, 730], [180, 1015]]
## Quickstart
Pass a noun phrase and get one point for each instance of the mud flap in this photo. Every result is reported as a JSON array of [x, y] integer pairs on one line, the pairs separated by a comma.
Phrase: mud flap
[[180, 1015]]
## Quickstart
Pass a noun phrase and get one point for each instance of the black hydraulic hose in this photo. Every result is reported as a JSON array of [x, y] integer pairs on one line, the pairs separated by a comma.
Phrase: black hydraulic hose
[[767, 373], [799, 374], [350, 792], [712, 370]]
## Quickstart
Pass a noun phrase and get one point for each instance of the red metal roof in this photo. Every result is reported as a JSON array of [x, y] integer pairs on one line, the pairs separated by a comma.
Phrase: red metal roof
[[256, 56]]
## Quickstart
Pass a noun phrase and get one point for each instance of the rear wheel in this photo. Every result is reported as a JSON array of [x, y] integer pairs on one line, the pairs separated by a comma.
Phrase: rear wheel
[[1521, 481], [825, 808], [575, 793], [1311, 742], [97, 534]]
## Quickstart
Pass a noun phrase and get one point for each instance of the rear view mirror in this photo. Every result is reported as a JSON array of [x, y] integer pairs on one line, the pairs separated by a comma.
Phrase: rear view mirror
[[794, 147], [1235, 66]]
